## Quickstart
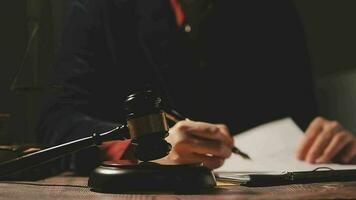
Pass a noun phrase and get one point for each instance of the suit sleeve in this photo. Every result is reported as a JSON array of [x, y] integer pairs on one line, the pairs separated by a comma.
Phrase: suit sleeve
[[70, 113], [294, 53]]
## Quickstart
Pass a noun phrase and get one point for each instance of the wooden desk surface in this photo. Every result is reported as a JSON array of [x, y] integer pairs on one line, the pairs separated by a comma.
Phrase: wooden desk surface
[[68, 187]]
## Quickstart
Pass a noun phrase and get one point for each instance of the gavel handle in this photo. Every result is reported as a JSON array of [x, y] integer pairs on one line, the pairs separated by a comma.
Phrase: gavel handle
[[39, 157]]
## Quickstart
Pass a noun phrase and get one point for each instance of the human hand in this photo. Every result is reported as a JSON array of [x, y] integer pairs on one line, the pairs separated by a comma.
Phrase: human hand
[[199, 142], [325, 141]]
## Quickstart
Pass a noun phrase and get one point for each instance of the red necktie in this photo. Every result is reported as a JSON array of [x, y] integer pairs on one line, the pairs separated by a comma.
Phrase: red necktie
[[178, 11]]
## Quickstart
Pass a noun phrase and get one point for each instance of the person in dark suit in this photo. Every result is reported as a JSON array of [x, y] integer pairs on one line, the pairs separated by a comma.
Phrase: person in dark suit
[[229, 65]]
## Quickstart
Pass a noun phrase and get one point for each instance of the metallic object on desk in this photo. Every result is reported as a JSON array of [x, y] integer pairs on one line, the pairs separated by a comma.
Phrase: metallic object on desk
[[36, 158], [150, 144], [148, 128]]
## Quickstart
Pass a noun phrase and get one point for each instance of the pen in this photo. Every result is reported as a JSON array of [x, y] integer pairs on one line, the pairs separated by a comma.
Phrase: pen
[[176, 117], [239, 152]]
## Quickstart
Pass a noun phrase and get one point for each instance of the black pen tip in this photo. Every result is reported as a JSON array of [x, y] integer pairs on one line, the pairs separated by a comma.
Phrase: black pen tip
[[239, 152]]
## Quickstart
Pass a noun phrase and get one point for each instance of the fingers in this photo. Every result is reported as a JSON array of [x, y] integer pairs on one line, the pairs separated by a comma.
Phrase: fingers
[[205, 147], [200, 142], [324, 140], [227, 135], [211, 162], [311, 134], [350, 153], [206, 130], [338, 142], [330, 131]]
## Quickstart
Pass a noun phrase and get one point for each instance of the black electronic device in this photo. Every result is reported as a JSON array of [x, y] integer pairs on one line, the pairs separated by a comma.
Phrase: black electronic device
[[147, 127]]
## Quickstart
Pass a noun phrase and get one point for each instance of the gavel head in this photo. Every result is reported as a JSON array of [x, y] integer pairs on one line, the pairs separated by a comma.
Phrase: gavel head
[[147, 125]]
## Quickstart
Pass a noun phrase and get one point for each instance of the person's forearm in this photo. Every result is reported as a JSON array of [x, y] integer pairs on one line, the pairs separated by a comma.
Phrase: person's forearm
[[57, 127]]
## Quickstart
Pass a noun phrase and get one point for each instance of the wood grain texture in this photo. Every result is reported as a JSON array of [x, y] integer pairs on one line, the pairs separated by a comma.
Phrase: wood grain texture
[[68, 187]]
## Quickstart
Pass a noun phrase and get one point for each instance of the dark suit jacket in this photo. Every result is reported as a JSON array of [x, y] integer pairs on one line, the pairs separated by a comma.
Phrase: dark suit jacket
[[248, 64]]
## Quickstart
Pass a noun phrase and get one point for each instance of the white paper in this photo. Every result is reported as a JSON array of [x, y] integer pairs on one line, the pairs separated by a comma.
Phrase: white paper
[[272, 148]]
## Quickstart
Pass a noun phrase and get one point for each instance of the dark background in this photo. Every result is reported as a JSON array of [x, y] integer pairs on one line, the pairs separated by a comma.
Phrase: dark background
[[330, 28]]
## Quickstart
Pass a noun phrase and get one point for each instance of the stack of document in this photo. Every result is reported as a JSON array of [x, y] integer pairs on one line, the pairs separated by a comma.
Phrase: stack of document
[[272, 148]]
